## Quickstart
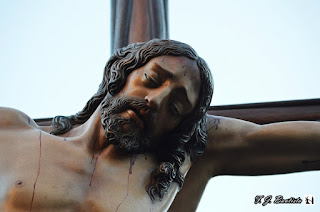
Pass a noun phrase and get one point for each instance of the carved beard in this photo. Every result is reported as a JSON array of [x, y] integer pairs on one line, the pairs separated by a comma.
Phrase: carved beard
[[124, 132]]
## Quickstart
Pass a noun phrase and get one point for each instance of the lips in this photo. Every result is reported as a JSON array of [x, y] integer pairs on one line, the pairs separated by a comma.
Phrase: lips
[[135, 116]]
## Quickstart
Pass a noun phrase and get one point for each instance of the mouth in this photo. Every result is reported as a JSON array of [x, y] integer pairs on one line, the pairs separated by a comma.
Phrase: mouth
[[136, 116]]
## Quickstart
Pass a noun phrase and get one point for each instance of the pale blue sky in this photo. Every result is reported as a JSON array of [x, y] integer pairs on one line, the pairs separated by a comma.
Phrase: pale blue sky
[[52, 54]]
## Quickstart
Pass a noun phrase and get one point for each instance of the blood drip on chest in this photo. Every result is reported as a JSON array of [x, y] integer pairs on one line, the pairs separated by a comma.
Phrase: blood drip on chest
[[132, 159]]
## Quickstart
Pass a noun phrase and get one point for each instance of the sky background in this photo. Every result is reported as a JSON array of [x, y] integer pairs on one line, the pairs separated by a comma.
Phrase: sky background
[[52, 54]]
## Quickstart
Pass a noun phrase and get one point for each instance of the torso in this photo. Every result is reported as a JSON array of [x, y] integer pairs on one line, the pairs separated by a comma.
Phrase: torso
[[42, 172]]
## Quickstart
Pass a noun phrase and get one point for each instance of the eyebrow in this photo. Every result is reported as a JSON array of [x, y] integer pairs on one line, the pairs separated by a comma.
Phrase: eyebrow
[[182, 90], [163, 71]]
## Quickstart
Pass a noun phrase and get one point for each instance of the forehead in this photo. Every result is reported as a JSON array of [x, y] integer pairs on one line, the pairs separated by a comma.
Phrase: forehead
[[185, 73]]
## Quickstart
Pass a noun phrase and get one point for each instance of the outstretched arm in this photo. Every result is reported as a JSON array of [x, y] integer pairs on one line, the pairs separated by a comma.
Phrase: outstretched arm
[[238, 147]]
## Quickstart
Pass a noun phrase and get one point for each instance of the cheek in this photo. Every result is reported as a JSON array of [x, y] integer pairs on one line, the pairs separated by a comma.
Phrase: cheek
[[132, 87], [164, 125]]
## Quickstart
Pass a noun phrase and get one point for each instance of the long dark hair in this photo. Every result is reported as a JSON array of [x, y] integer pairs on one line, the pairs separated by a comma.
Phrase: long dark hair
[[189, 137]]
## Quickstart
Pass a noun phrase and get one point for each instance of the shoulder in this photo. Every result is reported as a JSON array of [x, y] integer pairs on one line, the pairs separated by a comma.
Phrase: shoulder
[[11, 118], [226, 134], [219, 127]]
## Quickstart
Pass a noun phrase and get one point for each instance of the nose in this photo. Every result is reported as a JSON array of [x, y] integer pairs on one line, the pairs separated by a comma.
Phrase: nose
[[157, 98]]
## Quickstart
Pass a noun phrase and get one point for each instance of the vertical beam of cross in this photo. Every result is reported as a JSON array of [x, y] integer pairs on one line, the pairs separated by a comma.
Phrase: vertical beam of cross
[[137, 21]]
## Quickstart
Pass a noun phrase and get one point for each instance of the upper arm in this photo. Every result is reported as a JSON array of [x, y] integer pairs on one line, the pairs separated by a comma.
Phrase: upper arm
[[238, 147], [227, 142], [10, 118]]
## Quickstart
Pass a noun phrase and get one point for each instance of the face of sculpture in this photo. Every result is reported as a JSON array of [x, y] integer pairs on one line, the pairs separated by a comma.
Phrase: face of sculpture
[[156, 98]]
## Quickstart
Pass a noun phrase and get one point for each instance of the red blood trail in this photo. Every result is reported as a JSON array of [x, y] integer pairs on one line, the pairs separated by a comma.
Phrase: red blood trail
[[35, 182], [94, 168], [132, 159]]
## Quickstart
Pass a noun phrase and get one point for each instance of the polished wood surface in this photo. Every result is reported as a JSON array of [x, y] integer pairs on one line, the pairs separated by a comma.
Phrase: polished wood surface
[[137, 21], [269, 112]]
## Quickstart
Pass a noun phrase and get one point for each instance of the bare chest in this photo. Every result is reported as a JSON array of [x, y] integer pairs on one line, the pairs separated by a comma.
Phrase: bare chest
[[44, 175]]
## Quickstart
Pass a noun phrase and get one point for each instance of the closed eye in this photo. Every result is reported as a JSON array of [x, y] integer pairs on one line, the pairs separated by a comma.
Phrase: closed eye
[[174, 110], [153, 82]]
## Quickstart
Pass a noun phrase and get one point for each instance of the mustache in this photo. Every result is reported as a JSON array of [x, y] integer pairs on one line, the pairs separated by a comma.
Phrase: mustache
[[120, 104], [114, 105]]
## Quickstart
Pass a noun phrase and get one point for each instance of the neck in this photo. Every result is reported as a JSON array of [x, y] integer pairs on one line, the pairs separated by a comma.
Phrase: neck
[[91, 137]]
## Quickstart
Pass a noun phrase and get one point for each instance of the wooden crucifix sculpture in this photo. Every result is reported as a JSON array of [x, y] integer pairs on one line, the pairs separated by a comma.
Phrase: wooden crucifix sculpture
[[143, 137]]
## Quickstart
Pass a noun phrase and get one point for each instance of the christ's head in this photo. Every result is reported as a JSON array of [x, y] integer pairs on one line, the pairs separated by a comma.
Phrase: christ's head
[[156, 98]]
